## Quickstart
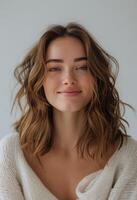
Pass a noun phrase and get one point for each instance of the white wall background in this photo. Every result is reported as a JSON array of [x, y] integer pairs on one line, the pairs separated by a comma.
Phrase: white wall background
[[112, 22]]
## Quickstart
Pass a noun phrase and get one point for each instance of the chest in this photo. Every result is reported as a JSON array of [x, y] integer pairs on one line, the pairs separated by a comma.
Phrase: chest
[[61, 176]]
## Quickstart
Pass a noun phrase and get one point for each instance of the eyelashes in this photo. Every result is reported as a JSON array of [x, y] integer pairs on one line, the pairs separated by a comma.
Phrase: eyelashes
[[54, 69]]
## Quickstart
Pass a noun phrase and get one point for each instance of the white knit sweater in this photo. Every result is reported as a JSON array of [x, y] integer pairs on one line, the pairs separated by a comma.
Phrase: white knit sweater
[[117, 181]]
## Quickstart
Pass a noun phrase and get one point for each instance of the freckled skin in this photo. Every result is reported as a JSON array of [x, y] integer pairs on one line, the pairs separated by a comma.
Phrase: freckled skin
[[67, 75]]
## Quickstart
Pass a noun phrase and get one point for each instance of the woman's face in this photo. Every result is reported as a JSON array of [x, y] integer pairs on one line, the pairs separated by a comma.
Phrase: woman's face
[[68, 83]]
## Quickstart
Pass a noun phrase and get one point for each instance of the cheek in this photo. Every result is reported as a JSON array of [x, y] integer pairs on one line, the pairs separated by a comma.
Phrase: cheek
[[46, 86], [50, 85], [88, 83]]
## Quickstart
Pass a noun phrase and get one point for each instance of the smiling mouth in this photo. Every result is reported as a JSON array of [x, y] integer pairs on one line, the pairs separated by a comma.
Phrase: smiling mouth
[[71, 93]]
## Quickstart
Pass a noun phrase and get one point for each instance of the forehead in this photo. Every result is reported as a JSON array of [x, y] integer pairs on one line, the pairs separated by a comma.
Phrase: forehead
[[66, 48]]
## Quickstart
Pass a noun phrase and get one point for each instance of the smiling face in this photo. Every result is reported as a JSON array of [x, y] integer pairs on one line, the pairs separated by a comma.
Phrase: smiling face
[[68, 83]]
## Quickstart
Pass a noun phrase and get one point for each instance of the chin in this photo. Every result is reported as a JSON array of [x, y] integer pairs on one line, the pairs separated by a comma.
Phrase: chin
[[69, 109]]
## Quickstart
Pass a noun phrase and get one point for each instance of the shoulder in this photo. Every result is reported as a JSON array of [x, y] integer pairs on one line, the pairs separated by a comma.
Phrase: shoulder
[[130, 145], [7, 148], [127, 155], [8, 141], [10, 187]]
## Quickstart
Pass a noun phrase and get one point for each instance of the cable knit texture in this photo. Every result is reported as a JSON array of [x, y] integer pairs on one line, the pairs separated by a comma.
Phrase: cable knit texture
[[117, 181]]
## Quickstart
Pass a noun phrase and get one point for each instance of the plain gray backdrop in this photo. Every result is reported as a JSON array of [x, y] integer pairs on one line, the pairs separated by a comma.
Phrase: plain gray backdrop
[[112, 22]]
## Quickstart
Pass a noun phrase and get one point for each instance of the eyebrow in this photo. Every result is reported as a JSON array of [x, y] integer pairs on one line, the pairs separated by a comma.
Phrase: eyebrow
[[60, 60]]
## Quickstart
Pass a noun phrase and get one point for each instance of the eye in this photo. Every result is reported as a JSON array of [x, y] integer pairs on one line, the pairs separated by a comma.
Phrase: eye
[[83, 68], [52, 69]]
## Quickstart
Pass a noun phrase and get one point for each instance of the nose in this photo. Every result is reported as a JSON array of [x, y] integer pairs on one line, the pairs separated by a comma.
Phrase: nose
[[69, 79]]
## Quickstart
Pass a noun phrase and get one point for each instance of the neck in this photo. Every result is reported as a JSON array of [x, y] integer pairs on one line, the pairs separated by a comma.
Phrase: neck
[[68, 127]]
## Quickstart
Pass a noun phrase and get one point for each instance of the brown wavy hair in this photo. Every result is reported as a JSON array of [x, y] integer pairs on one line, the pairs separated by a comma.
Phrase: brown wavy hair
[[104, 123]]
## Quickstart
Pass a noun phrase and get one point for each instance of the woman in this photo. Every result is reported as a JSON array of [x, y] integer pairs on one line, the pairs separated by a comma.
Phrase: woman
[[70, 141]]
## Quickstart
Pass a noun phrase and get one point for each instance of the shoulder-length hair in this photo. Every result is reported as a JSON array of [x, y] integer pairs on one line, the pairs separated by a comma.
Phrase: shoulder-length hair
[[104, 123]]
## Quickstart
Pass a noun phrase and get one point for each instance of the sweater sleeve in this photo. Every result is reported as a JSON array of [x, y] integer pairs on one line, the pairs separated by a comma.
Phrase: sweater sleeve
[[10, 188]]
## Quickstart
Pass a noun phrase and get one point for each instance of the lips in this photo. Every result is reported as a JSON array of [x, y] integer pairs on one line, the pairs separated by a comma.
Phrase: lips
[[70, 91]]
